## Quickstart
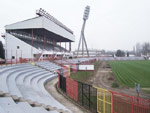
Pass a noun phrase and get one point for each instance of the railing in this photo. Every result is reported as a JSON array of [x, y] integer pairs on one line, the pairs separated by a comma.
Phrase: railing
[[84, 94], [87, 96], [102, 100], [39, 39]]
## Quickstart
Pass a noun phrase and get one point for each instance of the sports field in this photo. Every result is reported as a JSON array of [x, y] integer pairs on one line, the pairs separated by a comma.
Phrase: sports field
[[129, 72]]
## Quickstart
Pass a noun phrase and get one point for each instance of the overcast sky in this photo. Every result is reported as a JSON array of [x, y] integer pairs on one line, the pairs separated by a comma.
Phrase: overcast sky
[[112, 24]]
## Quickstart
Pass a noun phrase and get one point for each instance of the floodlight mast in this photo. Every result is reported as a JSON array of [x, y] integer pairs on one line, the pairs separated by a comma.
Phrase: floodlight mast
[[42, 12], [82, 37]]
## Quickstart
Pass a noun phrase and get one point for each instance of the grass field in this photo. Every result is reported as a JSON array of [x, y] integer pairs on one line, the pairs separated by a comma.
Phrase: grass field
[[82, 76], [129, 72]]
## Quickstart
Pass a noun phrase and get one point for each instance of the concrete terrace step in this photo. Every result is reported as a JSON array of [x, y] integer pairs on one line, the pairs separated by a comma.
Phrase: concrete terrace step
[[9, 105], [13, 89], [29, 109], [33, 92], [3, 68], [48, 65], [49, 98], [4, 75], [21, 79], [43, 80], [34, 81], [28, 80], [25, 83], [2, 110]]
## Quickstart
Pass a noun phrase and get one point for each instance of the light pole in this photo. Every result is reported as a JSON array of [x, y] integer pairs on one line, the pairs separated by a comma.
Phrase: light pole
[[82, 37], [137, 87]]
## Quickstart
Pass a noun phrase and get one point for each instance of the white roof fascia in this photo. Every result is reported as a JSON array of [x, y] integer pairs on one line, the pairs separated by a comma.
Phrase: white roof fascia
[[41, 22]]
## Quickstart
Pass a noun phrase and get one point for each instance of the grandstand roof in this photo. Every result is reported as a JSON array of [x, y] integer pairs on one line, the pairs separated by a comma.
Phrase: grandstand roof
[[43, 26]]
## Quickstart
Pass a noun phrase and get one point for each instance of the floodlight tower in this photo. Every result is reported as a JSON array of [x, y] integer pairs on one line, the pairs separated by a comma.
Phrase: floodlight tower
[[82, 37]]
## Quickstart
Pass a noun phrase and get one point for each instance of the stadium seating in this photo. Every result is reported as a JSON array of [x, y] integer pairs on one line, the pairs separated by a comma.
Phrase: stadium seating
[[48, 65], [7, 104], [22, 85], [74, 61], [119, 58], [39, 44]]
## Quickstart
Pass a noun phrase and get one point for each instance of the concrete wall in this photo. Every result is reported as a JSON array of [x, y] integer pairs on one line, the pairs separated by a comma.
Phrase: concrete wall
[[23, 51], [86, 67]]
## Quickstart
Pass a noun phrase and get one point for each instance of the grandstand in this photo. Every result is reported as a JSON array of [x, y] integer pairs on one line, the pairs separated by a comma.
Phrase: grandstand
[[22, 87], [37, 38]]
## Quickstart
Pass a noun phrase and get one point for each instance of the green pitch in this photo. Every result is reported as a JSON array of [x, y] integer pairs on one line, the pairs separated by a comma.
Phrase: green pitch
[[129, 72]]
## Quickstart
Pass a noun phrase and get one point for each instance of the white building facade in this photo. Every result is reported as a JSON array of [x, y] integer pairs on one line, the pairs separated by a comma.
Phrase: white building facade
[[33, 37]]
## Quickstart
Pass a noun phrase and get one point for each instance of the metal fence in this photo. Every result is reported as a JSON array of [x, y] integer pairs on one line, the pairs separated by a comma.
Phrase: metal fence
[[87, 96], [84, 94], [123, 103], [104, 101], [62, 82], [72, 88], [99, 100]]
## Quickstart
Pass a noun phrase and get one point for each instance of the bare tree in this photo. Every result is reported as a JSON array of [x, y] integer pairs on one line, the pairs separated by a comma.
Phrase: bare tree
[[146, 48], [2, 52]]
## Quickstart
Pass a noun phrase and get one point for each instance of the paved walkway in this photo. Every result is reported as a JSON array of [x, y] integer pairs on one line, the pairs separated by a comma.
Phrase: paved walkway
[[50, 87]]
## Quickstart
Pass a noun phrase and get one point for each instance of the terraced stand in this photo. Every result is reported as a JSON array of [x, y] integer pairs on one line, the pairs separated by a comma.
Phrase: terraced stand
[[48, 66], [8, 105], [22, 89], [119, 58], [74, 61]]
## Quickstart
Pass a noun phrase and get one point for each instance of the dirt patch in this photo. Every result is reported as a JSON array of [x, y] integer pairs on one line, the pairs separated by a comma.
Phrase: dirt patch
[[104, 78], [50, 87]]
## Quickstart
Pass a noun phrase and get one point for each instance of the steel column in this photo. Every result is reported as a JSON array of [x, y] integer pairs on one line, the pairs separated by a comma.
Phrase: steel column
[[60, 46], [70, 46], [83, 41], [65, 46], [16, 56], [32, 46]]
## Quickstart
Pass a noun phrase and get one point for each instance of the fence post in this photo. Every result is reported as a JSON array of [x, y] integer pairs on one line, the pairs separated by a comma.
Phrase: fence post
[[21, 57], [11, 57], [104, 101], [112, 106], [16, 56], [89, 96], [82, 94], [97, 99], [149, 105], [132, 106]]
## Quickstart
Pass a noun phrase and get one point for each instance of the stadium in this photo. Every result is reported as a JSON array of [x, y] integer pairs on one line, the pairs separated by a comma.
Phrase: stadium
[[37, 38], [35, 57]]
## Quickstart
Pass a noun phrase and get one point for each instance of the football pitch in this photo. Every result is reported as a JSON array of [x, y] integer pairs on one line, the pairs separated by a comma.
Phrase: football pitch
[[129, 72]]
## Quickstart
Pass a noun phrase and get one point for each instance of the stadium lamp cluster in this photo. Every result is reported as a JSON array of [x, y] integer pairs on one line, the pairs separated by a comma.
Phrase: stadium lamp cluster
[[86, 13], [42, 12]]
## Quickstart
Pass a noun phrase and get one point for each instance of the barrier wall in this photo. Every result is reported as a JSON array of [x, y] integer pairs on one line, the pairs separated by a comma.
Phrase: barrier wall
[[128, 104], [84, 94], [104, 101], [74, 68], [99, 100], [62, 83], [58, 71], [72, 88], [65, 71], [87, 96]]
